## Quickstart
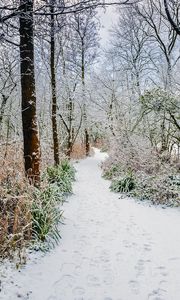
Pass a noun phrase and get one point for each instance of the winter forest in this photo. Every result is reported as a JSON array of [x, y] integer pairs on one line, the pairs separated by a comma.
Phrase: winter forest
[[89, 149]]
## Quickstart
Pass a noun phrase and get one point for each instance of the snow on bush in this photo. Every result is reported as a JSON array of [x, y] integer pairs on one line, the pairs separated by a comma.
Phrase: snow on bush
[[139, 170]]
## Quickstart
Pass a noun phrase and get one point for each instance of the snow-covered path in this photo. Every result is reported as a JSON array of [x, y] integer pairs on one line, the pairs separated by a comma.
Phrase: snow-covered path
[[111, 249]]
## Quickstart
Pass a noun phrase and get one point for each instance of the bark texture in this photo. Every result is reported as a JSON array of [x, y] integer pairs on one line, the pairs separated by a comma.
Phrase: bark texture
[[87, 143], [28, 93], [53, 89]]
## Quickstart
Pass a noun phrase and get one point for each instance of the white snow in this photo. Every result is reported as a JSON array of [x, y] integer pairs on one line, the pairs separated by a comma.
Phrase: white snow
[[111, 249]]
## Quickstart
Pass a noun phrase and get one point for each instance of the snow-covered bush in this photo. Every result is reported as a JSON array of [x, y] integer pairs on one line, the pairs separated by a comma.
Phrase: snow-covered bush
[[46, 215], [153, 177], [62, 175], [111, 171], [158, 188], [31, 215], [123, 184], [15, 219]]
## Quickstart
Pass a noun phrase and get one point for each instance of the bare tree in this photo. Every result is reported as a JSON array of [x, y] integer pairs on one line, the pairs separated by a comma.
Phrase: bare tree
[[85, 41], [25, 11], [161, 32]]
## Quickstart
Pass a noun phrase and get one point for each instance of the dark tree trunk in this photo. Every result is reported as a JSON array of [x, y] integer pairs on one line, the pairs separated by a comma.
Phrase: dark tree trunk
[[53, 89], [70, 136], [174, 25], [29, 119], [69, 147], [87, 143]]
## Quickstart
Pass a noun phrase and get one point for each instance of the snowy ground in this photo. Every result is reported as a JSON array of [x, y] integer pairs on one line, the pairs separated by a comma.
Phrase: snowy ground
[[111, 249]]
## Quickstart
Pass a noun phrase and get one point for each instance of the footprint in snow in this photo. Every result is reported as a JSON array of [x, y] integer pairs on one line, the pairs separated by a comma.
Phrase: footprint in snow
[[66, 280], [147, 235], [78, 291], [147, 247], [93, 280], [96, 260], [140, 267], [82, 243], [104, 257], [127, 244], [52, 298], [104, 254], [67, 268], [108, 277], [162, 282], [161, 268], [174, 258], [85, 258], [119, 256], [105, 260], [134, 285], [157, 294]]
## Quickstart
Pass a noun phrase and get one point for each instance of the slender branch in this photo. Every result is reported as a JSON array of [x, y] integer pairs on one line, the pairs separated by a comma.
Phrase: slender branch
[[64, 122], [63, 10], [173, 24]]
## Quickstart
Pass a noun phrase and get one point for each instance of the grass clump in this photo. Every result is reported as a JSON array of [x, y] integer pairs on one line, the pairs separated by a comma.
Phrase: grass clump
[[29, 216], [62, 175], [46, 212], [111, 172], [144, 173], [123, 184], [46, 215]]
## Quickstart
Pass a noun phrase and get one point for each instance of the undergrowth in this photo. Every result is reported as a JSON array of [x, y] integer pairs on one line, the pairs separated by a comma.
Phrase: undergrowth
[[62, 175], [123, 184], [144, 174], [29, 216]]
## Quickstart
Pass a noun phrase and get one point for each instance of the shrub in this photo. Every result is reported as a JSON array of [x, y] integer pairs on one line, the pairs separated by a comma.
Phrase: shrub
[[124, 184], [31, 216], [104, 148], [154, 176], [159, 189], [62, 175], [111, 172], [15, 222], [46, 215]]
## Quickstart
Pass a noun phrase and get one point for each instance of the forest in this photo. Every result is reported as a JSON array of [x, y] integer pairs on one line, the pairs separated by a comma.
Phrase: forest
[[86, 117]]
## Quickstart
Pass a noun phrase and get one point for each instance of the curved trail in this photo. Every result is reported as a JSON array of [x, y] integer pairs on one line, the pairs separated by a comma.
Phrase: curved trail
[[111, 249]]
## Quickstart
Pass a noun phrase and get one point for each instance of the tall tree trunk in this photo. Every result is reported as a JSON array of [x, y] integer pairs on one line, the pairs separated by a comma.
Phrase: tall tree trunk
[[87, 143], [70, 137], [53, 88], [29, 119], [163, 135]]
